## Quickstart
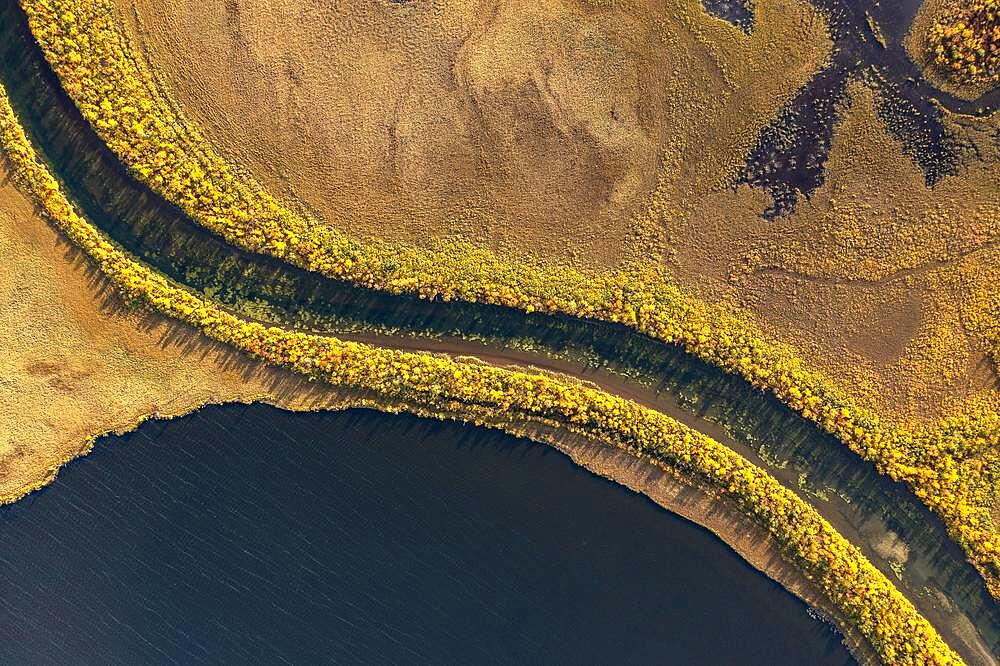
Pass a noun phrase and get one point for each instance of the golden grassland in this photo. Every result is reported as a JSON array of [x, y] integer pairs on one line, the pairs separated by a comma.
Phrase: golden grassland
[[864, 597], [762, 287], [548, 119], [107, 367]]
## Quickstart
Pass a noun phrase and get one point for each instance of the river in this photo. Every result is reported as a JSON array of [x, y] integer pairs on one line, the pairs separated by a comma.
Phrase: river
[[850, 493]]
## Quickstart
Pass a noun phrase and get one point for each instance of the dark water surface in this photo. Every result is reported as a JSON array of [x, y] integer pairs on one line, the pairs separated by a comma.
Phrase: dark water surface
[[854, 495], [247, 534], [791, 153]]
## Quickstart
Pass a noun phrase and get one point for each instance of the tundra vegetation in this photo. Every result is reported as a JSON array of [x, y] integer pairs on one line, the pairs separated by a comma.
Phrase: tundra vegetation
[[965, 41], [957, 45], [866, 598], [950, 462]]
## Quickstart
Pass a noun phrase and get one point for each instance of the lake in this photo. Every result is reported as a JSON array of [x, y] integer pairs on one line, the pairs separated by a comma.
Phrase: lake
[[247, 533], [849, 491]]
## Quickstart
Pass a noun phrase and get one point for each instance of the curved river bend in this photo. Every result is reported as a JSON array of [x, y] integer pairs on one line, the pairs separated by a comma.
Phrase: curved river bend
[[252, 534], [859, 500]]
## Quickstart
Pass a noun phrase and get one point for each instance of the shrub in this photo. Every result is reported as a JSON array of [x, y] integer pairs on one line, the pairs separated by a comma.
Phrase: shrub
[[86, 45], [965, 42]]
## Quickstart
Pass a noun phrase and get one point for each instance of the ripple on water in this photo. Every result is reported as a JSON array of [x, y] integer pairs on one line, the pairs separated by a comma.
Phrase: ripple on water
[[248, 533]]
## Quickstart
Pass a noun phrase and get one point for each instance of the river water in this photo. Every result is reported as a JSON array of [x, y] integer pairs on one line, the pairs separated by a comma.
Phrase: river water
[[253, 534], [176, 630]]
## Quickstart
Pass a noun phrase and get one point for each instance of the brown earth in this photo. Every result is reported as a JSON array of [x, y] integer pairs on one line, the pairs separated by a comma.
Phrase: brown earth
[[529, 127]]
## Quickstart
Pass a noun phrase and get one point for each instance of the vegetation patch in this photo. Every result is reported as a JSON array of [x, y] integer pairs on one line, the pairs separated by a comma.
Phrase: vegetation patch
[[477, 391], [961, 61], [948, 464], [965, 41]]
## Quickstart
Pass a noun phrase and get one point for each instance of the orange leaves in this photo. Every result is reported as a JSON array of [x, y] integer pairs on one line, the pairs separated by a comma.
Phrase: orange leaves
[[965, 41], [89, 49], [443, 385]]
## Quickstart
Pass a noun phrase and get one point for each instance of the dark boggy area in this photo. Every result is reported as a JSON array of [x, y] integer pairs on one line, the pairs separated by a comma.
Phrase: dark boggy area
[[252, 535], [791, 155], [736, 12], [759, 425]]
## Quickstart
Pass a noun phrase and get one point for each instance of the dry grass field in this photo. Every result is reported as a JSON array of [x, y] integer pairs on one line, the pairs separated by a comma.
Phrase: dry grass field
[[77, 362], [107, 368], [877, 276], [528, 127], [591, 133]]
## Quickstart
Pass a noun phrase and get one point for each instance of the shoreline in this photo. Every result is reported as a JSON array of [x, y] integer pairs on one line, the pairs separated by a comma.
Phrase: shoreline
[[915, 43], [609, 418], [643, 476]]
